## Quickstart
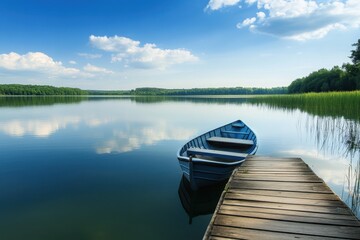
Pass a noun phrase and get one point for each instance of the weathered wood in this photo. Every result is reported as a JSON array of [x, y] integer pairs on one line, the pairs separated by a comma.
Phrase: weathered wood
[[304, 178], [248, 197], [277, 173], [294, 213], [320, 230], [222, 232], [274, 198], [230, 141], [294, 207], [275, 163], [257, 169], [286, 194], [290, 218], [217, 153], [283, 186]]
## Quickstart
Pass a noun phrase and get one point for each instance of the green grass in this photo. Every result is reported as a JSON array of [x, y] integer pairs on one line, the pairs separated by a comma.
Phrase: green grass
[[335, 104]]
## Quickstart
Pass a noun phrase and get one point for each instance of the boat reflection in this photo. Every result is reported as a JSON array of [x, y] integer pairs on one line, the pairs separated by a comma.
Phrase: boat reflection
[[199, 202]]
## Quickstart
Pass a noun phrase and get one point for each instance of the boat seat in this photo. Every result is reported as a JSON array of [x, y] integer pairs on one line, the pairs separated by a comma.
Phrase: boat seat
[[238, 125], [234, 132], [216, 153], [235, 141]]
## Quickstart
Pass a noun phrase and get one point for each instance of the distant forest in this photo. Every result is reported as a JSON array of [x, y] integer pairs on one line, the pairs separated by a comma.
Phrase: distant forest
[[194, 91], [18, 89], [346, 78]]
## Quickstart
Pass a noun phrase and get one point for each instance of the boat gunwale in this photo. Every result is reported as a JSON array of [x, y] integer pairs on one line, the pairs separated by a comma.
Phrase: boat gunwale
[[194, 159]]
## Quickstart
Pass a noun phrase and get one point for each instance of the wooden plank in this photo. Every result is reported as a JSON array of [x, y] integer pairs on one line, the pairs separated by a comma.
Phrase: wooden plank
[[273, 198], [280, 168], [219, 238], [286, 194], [274, 171], [326, 216], [321, 230], [265, 158], [308, 178], [217, 153], [269, 162], [235, 132], [222, 232], [230, 141], [300, 201], [289, 218], [283, 186], [275, 166], [285, 206]]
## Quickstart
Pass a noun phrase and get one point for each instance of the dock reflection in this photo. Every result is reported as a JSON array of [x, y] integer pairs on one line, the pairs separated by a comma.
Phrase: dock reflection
[[199, 202]]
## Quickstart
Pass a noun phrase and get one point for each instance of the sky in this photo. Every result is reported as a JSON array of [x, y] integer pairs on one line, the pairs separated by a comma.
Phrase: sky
[[125, 44]]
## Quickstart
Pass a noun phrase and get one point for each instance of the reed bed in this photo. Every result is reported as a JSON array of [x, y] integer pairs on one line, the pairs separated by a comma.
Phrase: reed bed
[[335, 104]]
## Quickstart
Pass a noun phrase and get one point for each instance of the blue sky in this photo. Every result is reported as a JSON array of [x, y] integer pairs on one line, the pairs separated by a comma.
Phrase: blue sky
[[124, 44]]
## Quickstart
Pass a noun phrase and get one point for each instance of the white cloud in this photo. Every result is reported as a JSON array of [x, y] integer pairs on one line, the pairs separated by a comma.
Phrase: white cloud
[[131, 53], [261, 16], [287, 8], [94, 69], [36, 62], [72, 62], [246, 22], [89, 55], [250, 2], [217, 4], [317, 34], [302, 20]]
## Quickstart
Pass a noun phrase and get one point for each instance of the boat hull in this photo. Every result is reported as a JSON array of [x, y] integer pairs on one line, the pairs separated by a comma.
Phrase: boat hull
[[201, 174], [212, 167]]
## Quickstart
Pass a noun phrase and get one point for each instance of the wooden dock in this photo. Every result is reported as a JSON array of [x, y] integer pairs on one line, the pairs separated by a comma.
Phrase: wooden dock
[[280, 198]]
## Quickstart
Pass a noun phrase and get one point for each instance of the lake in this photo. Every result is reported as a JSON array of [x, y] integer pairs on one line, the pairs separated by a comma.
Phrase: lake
[[106, 167]]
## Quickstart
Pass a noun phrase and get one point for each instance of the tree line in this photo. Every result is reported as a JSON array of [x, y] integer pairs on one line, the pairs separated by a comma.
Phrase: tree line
[[345, 78], [208, 91], [19, 89]]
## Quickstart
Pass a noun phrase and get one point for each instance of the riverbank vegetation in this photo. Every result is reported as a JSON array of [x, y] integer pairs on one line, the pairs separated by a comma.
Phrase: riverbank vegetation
[[19, 89], [345, 78], [332, 104], [195, 91]]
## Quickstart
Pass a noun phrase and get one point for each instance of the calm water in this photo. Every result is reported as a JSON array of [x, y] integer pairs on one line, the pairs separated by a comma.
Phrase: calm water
[[106, 168]]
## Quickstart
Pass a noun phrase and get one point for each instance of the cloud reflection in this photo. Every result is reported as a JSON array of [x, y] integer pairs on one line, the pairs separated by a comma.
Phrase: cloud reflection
[[134, 137], [36, 127]]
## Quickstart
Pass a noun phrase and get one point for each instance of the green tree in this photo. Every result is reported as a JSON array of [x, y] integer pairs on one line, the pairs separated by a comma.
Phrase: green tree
[[355, 54]]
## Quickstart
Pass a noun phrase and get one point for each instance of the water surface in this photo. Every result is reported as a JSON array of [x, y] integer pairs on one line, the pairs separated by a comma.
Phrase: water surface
[[106, 168]]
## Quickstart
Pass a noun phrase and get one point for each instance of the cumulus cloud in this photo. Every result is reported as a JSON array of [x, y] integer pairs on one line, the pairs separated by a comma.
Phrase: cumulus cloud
[[36, 62], [302, 20], [94, 69], [131, 53], [250, 2], [217, 4], [261, 16], [246, 22]]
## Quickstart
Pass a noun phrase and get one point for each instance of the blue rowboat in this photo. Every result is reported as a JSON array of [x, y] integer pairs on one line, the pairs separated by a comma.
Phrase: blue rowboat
[[211, 157]]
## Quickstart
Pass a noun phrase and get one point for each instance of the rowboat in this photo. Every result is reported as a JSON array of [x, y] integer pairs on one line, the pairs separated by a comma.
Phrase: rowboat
[[211, 157]]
